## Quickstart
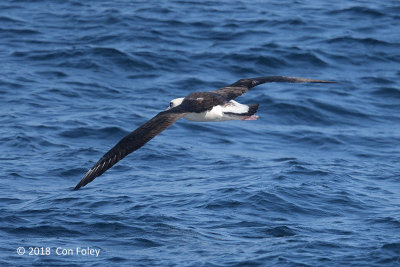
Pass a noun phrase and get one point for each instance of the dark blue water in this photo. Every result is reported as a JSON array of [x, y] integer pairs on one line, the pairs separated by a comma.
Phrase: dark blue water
[[314, 182]]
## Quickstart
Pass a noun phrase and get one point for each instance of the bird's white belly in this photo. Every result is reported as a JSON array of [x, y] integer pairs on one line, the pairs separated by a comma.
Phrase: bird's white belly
[[219, 113], [215, 114]]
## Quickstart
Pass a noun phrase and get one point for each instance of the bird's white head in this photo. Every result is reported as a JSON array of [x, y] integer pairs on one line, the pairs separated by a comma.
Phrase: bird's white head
[[176, 102]]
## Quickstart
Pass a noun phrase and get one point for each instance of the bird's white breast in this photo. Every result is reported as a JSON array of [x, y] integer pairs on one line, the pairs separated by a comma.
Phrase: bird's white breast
[[217, 113]]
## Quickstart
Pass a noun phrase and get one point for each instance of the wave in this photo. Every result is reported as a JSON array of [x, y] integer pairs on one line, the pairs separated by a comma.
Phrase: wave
[[358, 11], [88, 58], [348, 40], [104, 132], [41, 230]]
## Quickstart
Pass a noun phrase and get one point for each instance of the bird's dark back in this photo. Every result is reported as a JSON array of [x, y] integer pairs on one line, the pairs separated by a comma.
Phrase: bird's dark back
[[202, 101]]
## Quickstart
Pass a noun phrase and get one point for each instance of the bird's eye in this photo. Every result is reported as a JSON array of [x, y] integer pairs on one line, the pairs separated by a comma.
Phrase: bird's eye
[[170, 104]]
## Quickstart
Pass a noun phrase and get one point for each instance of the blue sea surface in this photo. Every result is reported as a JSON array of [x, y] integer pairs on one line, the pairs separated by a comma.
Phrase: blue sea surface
[[315, 181]]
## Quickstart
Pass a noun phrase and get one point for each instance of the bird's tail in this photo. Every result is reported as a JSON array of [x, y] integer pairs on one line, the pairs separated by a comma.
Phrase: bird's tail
[[252, 109], [249, 115]]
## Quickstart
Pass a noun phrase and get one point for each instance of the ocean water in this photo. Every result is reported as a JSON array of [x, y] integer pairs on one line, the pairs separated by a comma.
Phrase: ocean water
[[314, 182]]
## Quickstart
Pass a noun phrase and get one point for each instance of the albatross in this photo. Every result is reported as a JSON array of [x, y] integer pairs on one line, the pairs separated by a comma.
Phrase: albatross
[[218, 105]]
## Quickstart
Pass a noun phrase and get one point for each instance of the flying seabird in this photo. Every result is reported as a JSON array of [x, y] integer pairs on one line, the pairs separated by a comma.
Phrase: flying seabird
[[218, 105]]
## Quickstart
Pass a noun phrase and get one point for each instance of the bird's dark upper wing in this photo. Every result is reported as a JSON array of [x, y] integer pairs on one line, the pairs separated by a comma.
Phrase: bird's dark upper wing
[[240, 87], [132, 142]]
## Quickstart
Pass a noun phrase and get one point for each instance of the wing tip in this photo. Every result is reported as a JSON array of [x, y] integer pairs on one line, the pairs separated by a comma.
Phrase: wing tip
[[322, 81], [289, 79], [85, 180], [296, 79], [80, 184]]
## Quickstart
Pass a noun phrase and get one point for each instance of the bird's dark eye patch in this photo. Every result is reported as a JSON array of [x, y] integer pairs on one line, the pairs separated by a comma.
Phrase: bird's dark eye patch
[[170, 104]]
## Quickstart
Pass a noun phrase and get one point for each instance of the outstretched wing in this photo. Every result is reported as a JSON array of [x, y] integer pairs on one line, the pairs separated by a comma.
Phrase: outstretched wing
[[240, 87], [132, 142]]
